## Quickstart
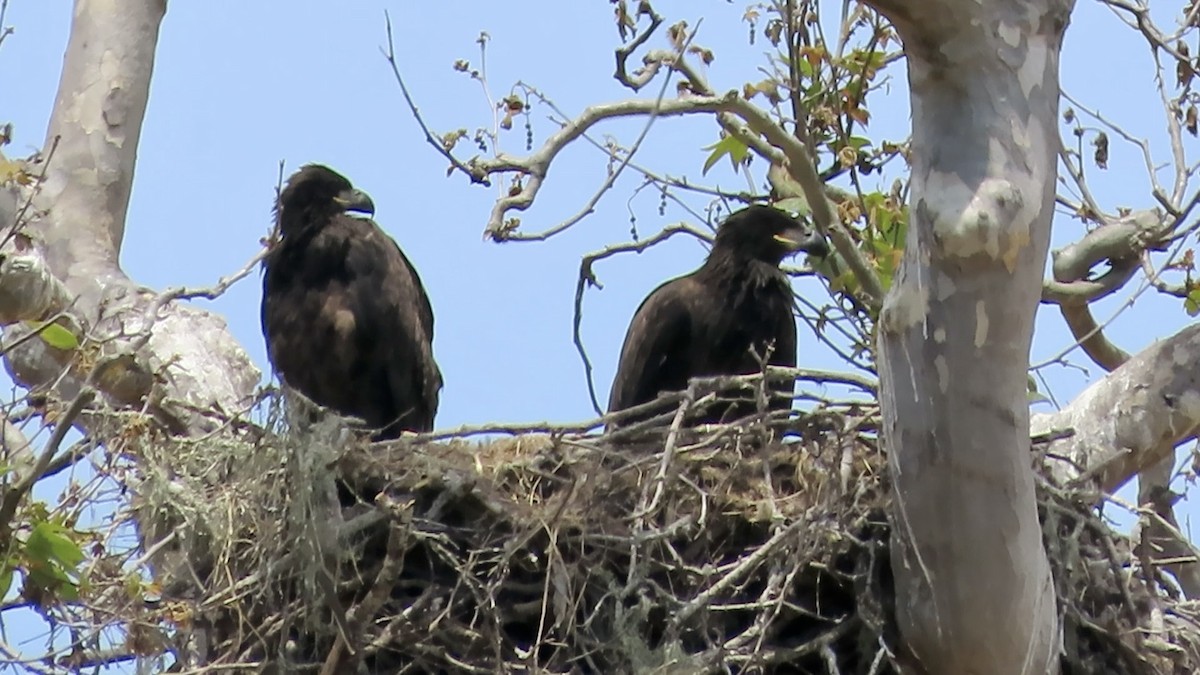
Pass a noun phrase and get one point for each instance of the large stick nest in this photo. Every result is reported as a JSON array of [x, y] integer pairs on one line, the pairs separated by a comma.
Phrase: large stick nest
[[721, 549]]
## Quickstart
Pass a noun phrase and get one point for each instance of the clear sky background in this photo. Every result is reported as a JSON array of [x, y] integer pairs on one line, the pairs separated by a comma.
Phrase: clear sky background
[[240, 86]]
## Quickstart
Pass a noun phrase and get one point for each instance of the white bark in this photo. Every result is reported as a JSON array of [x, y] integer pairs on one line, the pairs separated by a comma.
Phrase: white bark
[[973, 585], [181, 355], [1120, 243], [1128, 424], [1130, 420]]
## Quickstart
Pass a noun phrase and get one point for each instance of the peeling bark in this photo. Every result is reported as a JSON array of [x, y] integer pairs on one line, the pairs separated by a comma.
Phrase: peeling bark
[[1121, 243], [974, 593], [1132, 419], [179, 358]]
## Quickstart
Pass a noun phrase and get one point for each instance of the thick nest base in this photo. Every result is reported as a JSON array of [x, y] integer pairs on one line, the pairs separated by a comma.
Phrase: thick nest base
[[720, 550]]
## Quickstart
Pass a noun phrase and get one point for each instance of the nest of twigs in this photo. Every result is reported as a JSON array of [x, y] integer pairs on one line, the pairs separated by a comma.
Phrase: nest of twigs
[[732, 548]]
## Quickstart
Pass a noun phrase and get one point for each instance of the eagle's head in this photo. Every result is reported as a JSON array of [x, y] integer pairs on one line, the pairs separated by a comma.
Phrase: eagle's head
[[315, 193], [767, 234]]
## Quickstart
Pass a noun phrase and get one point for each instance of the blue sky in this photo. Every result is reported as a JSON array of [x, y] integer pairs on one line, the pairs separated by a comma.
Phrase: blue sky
[[240, 86]]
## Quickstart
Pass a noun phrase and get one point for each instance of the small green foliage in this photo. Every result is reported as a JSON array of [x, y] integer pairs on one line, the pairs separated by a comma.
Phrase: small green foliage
[[1191, 304], [51, 561], [55, 335], [1032, 393], [882, 241], [49, 540], [858, 142], [768, 87], [796, 205], [7, 567], [15, 172], [729, 145], [451, 138]]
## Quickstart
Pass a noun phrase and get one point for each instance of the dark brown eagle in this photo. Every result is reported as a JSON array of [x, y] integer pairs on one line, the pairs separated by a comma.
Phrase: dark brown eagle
[[721, 318], [347, 321]]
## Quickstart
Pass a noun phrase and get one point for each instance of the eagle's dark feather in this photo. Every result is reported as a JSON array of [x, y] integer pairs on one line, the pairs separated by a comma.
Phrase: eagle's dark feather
[[715, 320], [347, 321]]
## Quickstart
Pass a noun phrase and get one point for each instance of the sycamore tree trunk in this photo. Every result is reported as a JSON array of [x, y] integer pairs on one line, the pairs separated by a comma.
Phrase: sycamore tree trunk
[[973, 585], [138, 348], [154, 352]]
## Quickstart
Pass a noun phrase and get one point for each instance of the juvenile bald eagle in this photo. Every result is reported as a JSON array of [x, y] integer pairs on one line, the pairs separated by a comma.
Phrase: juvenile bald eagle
[[715, 320], [346, 319]]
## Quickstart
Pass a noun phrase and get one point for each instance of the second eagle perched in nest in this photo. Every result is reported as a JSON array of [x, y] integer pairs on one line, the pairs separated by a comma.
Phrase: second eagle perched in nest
[[347, 321], [720, 319]]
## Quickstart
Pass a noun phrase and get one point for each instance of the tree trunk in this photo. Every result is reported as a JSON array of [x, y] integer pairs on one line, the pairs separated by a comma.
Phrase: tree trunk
[[973, 586], [178, 361]]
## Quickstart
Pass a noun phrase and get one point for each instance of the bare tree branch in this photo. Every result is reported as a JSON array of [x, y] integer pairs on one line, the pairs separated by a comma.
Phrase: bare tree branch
[[647, 73], [737, 115], [587, 277], [12, 498], [1130, 420], [1090, 337], [390, 55]]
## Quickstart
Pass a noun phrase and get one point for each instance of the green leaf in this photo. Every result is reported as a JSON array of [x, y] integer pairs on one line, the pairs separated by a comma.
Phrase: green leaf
[[806, 69], [858, 142], [1191, 304], [68, 591], [1032, 393], [796, 205], [54, 335], [729, 145], [50, 542], [6, 577]]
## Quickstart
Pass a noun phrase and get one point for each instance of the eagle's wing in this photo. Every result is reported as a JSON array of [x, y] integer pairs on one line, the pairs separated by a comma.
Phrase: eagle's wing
[[784, 353], [392, 293], [785, 337], [657, 354]]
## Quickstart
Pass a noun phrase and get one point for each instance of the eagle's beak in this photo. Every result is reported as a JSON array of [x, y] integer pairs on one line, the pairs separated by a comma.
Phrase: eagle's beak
[[355, 200], [797, 239]]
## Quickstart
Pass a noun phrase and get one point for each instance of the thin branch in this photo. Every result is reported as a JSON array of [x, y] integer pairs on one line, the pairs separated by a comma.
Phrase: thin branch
[[611, 178], [645, 508], [588, 278], [32, 192], [746, 565], [1147, 157], [664, 180], [535, 165], [623, 53], [5, 31], [214, 291], [13, 497], [390, 55], [705, 384], [783, 147]]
